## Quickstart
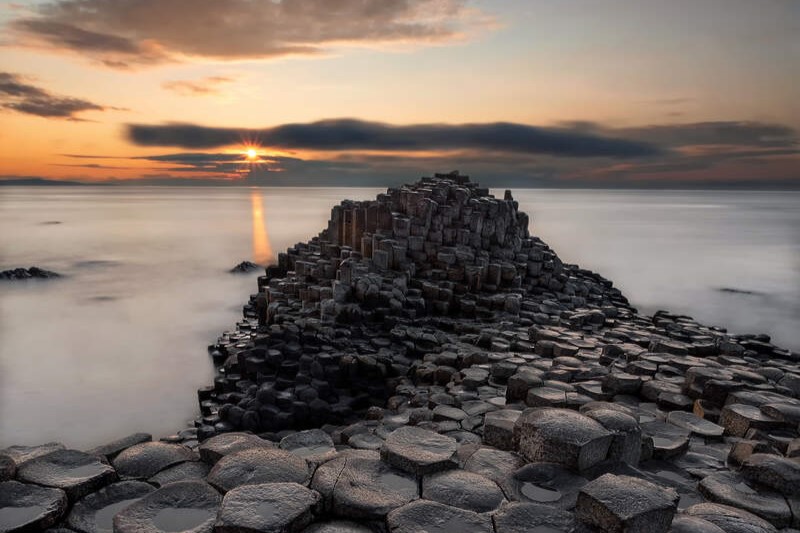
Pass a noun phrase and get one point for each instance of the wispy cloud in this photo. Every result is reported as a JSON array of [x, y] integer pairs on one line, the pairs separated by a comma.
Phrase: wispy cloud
[[129, 33], [19, 95], [211, 85]]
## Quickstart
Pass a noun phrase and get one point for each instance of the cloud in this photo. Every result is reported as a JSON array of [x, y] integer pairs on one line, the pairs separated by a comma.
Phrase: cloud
[[203, 87], [126, 33], [351, 134], [16, 94]]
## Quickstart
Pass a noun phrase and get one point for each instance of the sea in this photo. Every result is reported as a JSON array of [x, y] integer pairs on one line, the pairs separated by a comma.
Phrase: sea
[[119, 343]]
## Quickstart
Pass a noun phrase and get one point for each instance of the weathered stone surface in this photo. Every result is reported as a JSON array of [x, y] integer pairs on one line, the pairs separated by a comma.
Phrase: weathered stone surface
[[358, 484], [145, 460], [729, 488], [338, 526], [626, 447], [215, 448], [26, 508], [693, 524], [188, 471], [23, 454], [532, 518], [773, 471], [433, 517], [730, 519], [562, 436], [268, 508], [464, 490], [258, 466], [497, 465], [623, 503], [498, 428], [113, 448], [95, 513], [7, 468], [695, 424], [545, 483], [187, 506], [669, 441], [312, 444], [419, 451], [738, 418], [76, 473]]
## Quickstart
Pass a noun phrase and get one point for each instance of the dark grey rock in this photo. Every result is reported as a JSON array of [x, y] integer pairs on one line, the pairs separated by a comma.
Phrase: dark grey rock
[[498, 428], [730, 488], [695, 424], [357, 484], [257, 466], [562, 436], [113, 448], [545, 483], [433, 517], [215, 448], [268, 508], [314, 445], [497, 465], [76, 473], [245, 267], [737, 418], [627, 444], [22, 454], [188, 471], [693, 524], [95, 513], [338, 526], [7, 468], [773, 471], [186, 506], [26, 508], [624, 503], [419, 451], [730, 519], [28, 273], [464, 490], [145, 460], [532, 518], [669, 441]]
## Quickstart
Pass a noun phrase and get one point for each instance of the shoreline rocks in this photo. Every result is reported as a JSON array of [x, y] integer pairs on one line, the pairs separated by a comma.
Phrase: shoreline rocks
[[426, 363], [17, 274]]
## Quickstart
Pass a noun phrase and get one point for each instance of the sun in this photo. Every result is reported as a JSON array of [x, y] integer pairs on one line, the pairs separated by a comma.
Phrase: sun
[[251, 154]]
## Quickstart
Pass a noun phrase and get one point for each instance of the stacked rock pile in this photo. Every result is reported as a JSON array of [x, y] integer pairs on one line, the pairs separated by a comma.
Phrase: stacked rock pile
[[465, 380]]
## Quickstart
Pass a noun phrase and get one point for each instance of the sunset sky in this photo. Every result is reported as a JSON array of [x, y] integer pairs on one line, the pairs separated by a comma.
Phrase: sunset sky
[[339, 92]]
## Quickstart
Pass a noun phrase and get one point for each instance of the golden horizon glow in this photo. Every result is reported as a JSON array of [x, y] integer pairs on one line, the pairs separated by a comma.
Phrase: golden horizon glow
[[251, 153]]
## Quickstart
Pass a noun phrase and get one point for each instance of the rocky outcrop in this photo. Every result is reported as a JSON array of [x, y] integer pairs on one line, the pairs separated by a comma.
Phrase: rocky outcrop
[[28, 273]]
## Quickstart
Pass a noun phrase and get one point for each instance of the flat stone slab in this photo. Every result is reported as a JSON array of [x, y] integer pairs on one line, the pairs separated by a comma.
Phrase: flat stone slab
[[773, 471], [730, 488], [464, 490], [545, 483], [337, 526], [693, 524], [737, 418], [270, 507], [8, 468], [497, 465], [562, 436], [145, 460], [257, 466], [498, 428], [669, 441], [314, 445], [29, 507], [217, 447], [186, 506], [433, 517], [22, 454], [357, 484], [188, 471], [730, 519], [113, 448], [419, 451], [695, 424], [624, 503], [532, 518], [77, 473], [95, 513]]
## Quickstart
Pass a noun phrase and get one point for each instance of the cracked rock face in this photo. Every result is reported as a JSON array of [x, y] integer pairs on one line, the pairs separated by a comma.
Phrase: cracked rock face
[[464, 490], [188, 506], [258, 466], [435, 517], [29, 507], [77, 473], [218, 447], [730, 519], [268, 507], [419, 451], [145, 460]]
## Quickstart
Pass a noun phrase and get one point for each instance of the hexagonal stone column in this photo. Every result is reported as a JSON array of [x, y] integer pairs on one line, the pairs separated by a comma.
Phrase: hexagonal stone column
[[270, 507], [616, 504], [77, 473], [187, 506], [419, 451], [432, 517], [29, 508]]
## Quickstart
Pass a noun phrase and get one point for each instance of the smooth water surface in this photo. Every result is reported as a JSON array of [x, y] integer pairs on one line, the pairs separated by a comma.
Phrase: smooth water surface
[[119, 344]]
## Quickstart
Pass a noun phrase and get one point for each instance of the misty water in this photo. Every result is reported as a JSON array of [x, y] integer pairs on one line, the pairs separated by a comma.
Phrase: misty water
[[119, 344]]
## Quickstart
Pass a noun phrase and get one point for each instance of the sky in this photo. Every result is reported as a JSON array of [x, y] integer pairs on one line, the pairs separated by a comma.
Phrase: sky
[[567, 93]]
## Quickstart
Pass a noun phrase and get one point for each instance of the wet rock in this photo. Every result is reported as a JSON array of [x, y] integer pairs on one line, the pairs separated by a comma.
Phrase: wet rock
[[145, 460], [7, 468], [729, 488], [433, 517], [562, 436], [358, 484], [545, 483], [215, 448], [188, 471], [258, 466], [187, 506], [532, 518], [114, 448], [464, 490], [773, 471], [730, 519], [76, 473], [270, 507], [695, 424], [29, 507], [419, 451], [314, 445], [95, 513], [498, 428], [623, 503], [693, 524], [23, 454]]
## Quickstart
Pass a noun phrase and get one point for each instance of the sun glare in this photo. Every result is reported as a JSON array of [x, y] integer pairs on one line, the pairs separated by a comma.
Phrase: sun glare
[[251, 153]]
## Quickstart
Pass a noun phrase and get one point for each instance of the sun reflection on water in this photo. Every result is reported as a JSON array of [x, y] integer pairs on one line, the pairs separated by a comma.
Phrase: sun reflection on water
[[262, 250]]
